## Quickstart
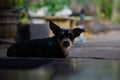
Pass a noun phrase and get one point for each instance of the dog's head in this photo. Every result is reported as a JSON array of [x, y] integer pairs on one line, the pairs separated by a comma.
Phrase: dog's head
[[65, 37]]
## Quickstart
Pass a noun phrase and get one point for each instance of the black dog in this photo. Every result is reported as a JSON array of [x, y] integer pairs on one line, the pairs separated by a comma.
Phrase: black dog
[[52, 47]]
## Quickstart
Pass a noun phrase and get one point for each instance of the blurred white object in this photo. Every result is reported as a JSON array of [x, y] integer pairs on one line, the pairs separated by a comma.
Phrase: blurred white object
[[81, 38], [39, 13], [64, 12]]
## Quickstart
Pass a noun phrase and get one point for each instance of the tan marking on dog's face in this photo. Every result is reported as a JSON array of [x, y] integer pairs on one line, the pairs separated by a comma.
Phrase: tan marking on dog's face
[[65, 49], [62, 33]]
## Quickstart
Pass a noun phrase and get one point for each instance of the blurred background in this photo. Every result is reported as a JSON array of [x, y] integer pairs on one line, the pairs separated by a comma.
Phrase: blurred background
[[95, 16], [95, 54]]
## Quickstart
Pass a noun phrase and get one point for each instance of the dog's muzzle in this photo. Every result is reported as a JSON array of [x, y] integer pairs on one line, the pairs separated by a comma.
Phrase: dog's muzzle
[[66, 43]]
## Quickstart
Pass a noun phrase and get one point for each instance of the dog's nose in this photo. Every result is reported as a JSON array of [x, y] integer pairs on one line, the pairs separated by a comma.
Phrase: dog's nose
[[66, 44]]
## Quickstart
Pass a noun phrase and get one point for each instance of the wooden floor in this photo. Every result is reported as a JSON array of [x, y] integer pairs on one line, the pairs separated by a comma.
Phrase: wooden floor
[[102, 46], [96, 50]]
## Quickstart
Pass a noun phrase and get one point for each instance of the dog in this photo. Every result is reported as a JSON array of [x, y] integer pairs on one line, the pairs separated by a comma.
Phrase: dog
[[56, 46]]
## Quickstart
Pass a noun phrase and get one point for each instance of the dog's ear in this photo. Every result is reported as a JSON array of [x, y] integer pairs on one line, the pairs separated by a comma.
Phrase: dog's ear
[[55, 28], [78, 31]]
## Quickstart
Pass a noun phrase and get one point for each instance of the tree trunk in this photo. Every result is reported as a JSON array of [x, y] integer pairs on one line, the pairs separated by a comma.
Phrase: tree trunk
[[8, 25]]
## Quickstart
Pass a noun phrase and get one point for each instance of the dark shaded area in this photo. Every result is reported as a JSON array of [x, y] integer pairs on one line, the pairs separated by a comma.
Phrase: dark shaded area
[[23, 63], [32, 31]]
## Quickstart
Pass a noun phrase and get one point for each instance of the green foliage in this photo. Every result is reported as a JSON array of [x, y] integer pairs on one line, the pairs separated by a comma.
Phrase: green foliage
[[105, 7], [22, 18], [55, 5], [52, 5], [19, 3], [118, 6], [35, 5], [83, 1], [116, 20]]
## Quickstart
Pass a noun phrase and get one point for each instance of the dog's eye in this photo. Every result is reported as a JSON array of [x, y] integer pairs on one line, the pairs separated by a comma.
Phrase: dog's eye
[[70, 35], [61, 36]]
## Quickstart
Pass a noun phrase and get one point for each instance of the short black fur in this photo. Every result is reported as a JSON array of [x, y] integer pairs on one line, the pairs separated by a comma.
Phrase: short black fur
[[41, 48]]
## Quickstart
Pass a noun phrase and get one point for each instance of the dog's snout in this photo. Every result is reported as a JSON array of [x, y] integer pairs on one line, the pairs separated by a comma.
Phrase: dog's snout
[[66, 43]]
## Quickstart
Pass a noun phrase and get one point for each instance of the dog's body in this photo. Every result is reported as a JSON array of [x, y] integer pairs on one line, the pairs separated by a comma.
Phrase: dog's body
[[47, 47], [53, 47]]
